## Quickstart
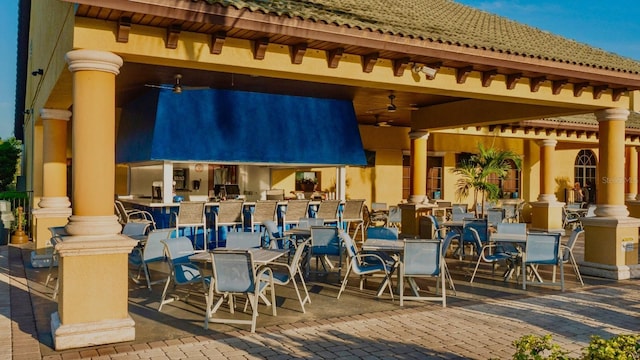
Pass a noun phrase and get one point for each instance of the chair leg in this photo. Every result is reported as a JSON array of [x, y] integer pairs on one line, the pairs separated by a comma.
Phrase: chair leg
[[344, 282], [475, 270], [576, 269]]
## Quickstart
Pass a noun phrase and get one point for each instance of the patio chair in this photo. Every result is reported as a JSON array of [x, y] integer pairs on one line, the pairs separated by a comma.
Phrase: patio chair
[[328, 210], [230, 214], [235, 274], [379, 214], [265, 210], [542, 249], [183, 271], [295, 210], [567, 254], [136, 228], [352, 214], [482, 228], [395, 217], [132, 215], [495, 216], [151, 252], [570, 218], [325, 242], [510, 212], [365, 264], [284, 273], [487, 252], [459, 208], [307, 223], [57, 232], [422, 259], [191, 215]]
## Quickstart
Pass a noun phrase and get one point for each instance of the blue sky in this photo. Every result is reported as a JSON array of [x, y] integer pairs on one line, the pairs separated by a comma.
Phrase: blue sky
[[612, 26]]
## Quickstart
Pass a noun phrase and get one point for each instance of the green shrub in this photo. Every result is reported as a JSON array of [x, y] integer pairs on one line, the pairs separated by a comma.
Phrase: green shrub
[[620, 347]]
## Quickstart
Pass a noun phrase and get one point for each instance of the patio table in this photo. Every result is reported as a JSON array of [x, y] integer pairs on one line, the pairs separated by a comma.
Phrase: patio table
[[393, 247]]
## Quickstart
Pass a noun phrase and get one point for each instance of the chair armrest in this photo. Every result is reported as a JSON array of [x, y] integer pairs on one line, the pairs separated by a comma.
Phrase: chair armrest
[[365, 255]]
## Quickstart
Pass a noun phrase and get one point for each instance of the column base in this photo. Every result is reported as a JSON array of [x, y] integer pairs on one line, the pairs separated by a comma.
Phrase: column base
[[418, 199], [91, 334], [93, 225], [547, 215], [616, 272], [612, 244]]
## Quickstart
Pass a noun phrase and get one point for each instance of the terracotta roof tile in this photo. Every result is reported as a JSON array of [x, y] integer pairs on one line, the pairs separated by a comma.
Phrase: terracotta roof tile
[[443, 21]]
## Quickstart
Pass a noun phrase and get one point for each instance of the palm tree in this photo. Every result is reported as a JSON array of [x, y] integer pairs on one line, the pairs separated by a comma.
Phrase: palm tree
[[475, 172]]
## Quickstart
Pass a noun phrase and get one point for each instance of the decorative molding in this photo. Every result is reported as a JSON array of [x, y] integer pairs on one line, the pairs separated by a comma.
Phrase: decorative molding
[[399, 65], [617, 93], [579, 88], [173, 34], [512, 80], [260, 48], [217, 42], [488, 76], [297, 52], [368, 61], [334, 56], [95, 60], [536, 82], [463, 73], [556, 86], [124, 26], [55, 114], [598, 91]]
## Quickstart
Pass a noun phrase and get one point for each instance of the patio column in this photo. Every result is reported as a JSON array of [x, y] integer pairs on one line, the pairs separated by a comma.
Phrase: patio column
[[631, 173], [547, 211], [93, 270], [633, 205], [418, 166], [54, 206], [611, 237]]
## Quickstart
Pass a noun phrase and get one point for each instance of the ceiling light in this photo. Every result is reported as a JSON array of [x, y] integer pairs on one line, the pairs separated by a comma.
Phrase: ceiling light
[[429, 72]]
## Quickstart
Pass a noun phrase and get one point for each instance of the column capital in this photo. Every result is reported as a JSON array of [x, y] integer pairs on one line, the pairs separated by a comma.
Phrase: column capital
[[418, 134], [612, 114], [55, 114], [548, 142], [93, 60]]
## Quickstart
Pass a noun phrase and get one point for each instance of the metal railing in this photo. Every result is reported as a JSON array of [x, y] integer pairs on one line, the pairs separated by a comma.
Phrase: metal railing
[[20, 199]]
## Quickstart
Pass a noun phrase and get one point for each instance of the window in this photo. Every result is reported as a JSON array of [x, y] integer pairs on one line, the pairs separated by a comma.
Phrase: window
[[585, 173], [434, 177], [307, 180], [406, 176], [510, 184]]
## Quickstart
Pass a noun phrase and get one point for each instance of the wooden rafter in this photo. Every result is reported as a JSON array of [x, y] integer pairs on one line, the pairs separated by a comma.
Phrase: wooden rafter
[[556, 86], [488, 76], [399, 65], [579, 88], [512, 80], [617, 93], [260, 48], [368, 61], [334, 56], [536, 82], [173, 34], [598, 90], [124, 26], [217, 41], [297, 52], [463, 73]]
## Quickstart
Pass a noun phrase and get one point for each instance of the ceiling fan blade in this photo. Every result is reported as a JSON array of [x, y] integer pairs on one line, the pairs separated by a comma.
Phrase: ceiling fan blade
[[166, 87]]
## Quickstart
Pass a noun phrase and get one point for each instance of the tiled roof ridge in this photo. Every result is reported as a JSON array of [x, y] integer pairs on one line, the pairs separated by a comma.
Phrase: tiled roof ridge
[[443, 21]]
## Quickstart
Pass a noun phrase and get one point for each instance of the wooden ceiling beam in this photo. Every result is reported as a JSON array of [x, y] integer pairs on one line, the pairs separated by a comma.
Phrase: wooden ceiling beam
[[617, 93], [488, 76], [598, 91], [369, 61], [297, 52], [556, 86], [334, 56], [536, 82], [217, 42], [399, 65], [579, 88], [173, 35], [260, 48], [512, 80], [124, 26], [463, 73]]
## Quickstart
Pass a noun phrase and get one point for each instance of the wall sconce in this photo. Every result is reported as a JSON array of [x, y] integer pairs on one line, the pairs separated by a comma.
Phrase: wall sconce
[[430, 73], [37, 72], [27, 111]]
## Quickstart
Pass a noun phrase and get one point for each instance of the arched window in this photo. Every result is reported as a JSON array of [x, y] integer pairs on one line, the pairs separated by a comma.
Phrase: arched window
[[510, 184], [585, 172]]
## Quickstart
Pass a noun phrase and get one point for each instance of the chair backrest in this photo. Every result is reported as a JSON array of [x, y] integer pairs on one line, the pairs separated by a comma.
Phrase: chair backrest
[[451, 235], [459, 208], [275, 194], [306, 223], [542, 248], [191, 213], [178, 250], [571, 242], [121, 212], [325, 240], [135, 228], [383, 233], [328, 210], [352, 251], [510, 211], [229, 212], [265, 210], [297, 257], [353, 210], [481, 226], [378, 206], [512, 228], [422, 257], [296, 209], [461, 216], [443, 203], [243, 240], [495, 216], [474, 238], [204, 198], [436, 226], [154, 247], [591, 211], [233, 271], [395, 214]]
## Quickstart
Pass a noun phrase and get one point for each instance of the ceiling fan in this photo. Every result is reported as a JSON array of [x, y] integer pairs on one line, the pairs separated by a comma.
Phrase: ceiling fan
[[177, 87], [392, 107], [382, 123]]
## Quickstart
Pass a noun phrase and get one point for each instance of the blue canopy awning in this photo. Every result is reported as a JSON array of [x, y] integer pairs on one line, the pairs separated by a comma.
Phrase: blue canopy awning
[[238, 127]]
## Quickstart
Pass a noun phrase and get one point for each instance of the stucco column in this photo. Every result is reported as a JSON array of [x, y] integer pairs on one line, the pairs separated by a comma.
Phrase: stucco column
[[54, 206], [93, 273], [631, 173], [418, 166], [611, 237], [546, 213]]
